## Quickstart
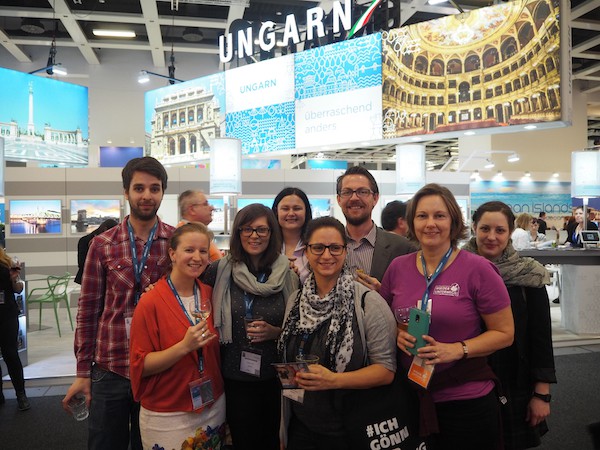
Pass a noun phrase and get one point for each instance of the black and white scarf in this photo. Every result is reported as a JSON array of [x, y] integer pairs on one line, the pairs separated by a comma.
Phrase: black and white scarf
[[310, 311]]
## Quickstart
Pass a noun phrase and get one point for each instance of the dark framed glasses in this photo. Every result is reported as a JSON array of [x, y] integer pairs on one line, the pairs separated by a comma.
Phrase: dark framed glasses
[[361, 193], [319, 249], [260, 231]]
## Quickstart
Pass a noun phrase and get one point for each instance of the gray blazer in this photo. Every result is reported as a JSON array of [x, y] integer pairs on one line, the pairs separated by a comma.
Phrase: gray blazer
[[387, 247]]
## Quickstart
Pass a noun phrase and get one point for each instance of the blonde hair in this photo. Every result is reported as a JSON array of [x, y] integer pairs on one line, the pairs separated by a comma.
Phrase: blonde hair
[[523, 221], [5, 260]]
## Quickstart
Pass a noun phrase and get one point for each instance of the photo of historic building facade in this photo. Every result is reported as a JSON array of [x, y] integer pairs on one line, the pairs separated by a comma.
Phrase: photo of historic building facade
[[185, 122], [496, 66]]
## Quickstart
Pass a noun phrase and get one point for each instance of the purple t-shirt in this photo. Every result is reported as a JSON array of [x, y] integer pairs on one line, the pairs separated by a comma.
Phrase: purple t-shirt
[[467, 288]]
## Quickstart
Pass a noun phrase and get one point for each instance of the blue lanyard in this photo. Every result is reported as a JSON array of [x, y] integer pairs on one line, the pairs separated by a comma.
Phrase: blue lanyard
[[187, 314], [249, 299], [303, 342], [196, 301], [430, 280], [138, 266]]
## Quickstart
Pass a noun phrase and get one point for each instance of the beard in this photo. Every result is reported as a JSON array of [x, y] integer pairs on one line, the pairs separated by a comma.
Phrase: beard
[[140, 215], [356, 220]]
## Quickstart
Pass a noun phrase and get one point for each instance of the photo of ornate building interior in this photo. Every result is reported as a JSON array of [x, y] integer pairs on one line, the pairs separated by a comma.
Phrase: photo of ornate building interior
[[491, 67]]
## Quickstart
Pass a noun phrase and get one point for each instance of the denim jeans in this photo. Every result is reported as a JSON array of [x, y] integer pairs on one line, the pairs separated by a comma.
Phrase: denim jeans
[[112, 411]]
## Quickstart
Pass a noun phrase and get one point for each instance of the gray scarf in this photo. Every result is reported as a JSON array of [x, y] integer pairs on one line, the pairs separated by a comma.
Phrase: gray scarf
[[281, 280], [514, 269]]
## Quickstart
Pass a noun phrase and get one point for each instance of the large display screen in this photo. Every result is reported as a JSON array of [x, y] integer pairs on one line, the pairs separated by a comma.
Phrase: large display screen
[[490, 67], [338, 93], [182, 119], [87, 215], [43, 120], [260, 105], [35, 217]]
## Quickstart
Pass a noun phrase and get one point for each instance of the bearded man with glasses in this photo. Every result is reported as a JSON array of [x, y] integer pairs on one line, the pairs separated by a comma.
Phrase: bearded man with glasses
[[370, 248]]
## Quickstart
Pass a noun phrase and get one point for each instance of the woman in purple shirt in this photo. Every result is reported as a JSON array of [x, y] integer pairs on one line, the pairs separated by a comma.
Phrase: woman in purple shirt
[[470, 319]]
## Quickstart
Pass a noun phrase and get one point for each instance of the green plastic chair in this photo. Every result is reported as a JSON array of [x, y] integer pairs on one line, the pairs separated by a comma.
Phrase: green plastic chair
[[54, 293]]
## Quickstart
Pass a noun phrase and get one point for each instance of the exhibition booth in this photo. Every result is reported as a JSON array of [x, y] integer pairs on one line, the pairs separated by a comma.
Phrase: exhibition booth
[[400, 87]]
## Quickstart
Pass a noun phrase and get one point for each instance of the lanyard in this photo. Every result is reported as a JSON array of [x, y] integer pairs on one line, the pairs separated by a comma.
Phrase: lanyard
[[430, 280], [249, 299], [138, 266], [187, 314], [303, 342]]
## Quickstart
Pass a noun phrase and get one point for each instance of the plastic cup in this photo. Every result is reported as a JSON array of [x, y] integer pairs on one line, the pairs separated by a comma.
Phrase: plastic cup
[[78, 407], [308, 359], [402, 315]]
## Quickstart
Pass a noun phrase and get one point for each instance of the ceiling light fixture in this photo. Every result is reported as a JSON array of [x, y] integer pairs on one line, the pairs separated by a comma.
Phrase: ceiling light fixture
[[528, 174], [113, 33], [192, 34], [32, 26], [513, 158], [489, 164], [52, 67]]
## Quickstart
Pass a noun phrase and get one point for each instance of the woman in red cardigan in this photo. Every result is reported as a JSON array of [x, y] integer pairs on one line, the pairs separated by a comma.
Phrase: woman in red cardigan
[[175, 363]]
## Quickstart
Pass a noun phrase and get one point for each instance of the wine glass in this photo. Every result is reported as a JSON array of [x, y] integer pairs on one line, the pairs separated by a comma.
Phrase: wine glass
[[204, 309]]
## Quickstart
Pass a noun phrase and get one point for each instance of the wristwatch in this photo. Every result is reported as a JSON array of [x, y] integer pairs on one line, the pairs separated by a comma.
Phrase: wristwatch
[[544, 397]]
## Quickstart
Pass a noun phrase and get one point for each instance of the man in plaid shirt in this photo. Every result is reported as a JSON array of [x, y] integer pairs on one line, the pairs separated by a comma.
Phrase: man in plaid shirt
[[120, 264]]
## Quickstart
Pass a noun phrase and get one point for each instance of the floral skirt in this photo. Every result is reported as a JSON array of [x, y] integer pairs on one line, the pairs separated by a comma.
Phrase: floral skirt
[[184, 430]]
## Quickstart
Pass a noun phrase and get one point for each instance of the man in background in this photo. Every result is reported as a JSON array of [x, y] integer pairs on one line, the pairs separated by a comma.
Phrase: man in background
[[370, 249], [194, 207], [542, 222], [393, 218], [122, 262]]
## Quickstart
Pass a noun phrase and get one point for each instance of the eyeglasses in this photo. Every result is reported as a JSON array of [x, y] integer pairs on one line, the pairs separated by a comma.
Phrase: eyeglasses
[[334, 249], [260, 231], [361, 193]]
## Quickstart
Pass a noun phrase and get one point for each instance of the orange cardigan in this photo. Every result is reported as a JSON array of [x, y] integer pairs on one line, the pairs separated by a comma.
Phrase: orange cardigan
[[159, 323]]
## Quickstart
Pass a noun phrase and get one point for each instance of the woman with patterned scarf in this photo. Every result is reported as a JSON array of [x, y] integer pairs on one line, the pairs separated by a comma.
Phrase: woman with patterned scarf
[[327, 320], [526, 368]]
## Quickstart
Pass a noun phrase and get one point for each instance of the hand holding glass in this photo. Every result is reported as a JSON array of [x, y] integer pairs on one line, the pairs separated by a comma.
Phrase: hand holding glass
[[251, 326], [204, 309], [78, 407]]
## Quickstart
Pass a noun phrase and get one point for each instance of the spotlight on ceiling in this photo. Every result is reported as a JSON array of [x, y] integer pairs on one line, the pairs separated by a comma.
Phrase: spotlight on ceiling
[[489, 164], [192, 34], [514, 157], [32, 26], [144, 77], [52, 67]]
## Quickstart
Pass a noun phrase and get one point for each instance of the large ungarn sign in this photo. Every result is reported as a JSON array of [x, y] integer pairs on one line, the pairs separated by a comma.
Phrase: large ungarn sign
[[342, 19]]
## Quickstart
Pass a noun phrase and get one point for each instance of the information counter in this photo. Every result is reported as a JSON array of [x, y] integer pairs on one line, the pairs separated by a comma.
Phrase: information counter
[[580, 286]]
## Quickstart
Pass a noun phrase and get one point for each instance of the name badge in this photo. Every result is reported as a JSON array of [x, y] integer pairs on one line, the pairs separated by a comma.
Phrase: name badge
[[250, 362], [201, 392], [128, 326], [420, 373]]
